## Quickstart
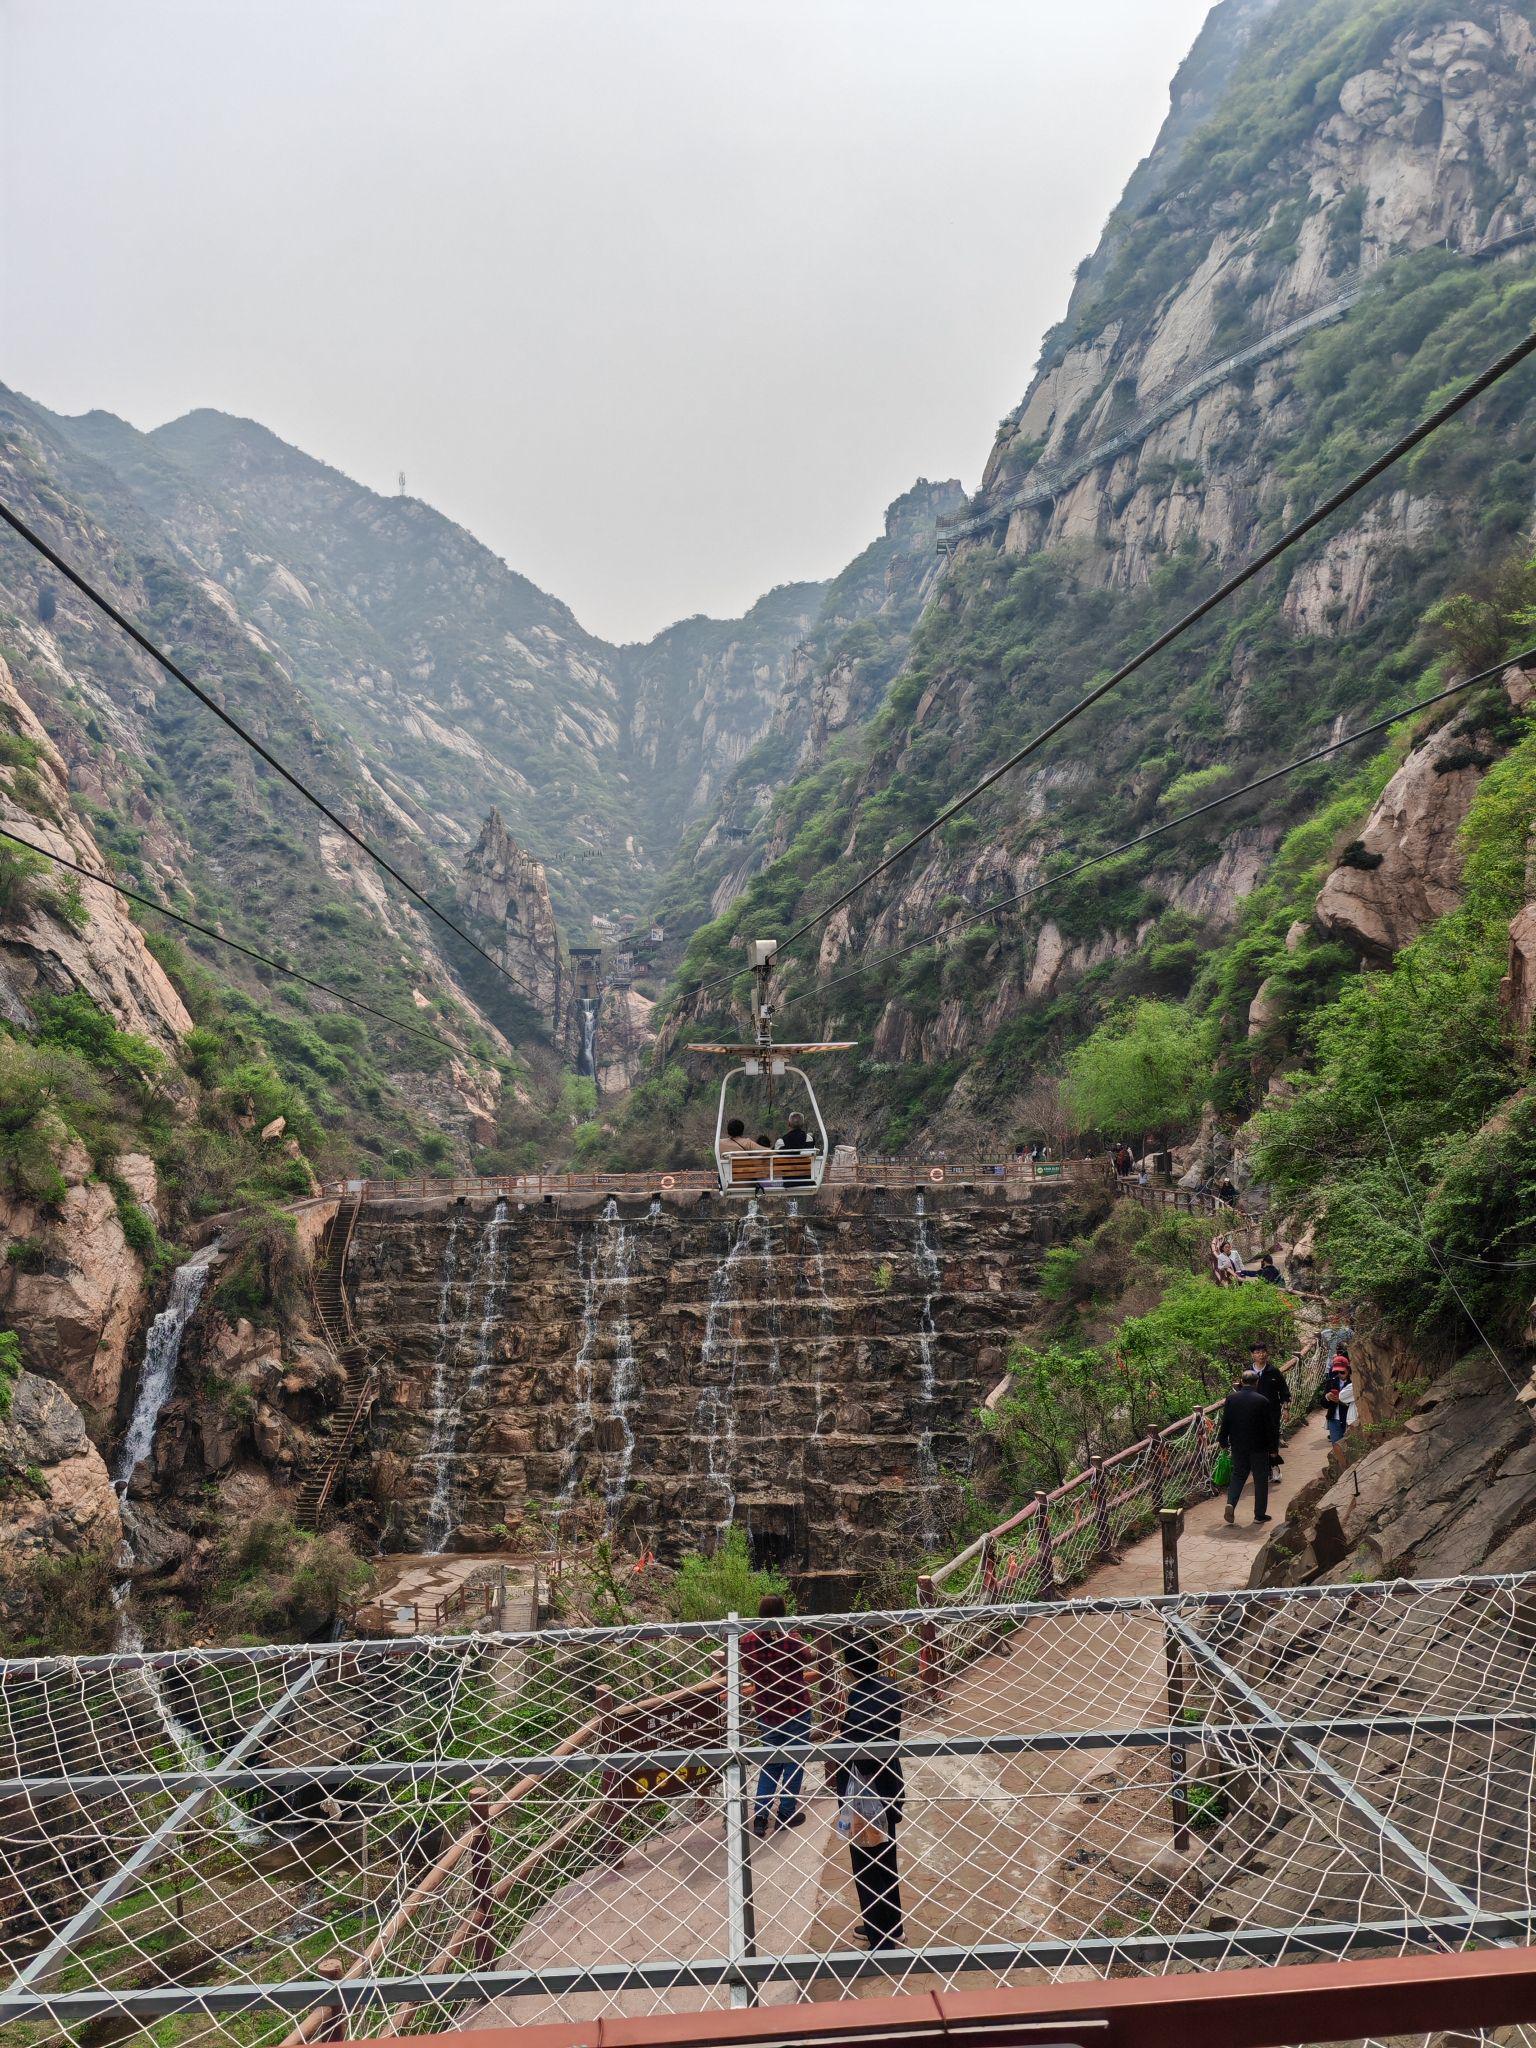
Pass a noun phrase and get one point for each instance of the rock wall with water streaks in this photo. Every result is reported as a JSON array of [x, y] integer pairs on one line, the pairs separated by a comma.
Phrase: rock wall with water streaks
[[669, 1369]]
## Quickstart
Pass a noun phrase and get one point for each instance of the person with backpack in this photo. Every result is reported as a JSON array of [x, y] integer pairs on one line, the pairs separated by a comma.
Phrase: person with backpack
[[1250, 1436], [775, 1663], [871, 1791]]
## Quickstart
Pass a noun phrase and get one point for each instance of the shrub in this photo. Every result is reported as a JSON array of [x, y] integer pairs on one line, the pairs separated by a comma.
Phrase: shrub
[[22, 885], [44, 1094], [710, 1588], [74, 1022], [10, 1368], [58, 1606], [263, 1272], [1144, 1069]]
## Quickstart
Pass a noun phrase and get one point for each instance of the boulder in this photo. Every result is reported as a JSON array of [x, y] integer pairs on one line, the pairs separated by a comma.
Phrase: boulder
[[1405, 869], [76, 1307], [68, 1503]]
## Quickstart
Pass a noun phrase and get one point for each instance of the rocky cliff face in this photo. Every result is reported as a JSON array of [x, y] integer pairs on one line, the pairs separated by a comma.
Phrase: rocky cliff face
[[462, 687], [59, 1500], [1335, 203], [1445, 1487], [810, 1376], [508, 891]]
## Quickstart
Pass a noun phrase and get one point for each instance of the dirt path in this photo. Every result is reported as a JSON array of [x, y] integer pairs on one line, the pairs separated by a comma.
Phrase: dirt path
[[1213, 1556]]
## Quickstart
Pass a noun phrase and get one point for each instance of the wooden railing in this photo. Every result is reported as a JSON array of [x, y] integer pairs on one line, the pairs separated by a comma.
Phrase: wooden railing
[[1062, 1534], [898, 1173], [464, 1914]]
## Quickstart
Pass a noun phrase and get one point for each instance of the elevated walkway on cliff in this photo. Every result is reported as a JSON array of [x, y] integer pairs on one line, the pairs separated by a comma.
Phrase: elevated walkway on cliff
[[1047, 481]]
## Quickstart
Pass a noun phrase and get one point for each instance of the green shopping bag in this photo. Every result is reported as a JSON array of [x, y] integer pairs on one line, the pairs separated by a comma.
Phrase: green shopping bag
[[1221, 1471]]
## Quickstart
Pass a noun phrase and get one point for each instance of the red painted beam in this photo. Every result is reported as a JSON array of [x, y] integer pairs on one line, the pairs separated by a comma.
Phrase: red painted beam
[[1247, 2008]]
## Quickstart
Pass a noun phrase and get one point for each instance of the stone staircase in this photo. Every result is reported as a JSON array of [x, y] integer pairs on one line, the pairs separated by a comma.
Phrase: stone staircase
[[328, 1294]]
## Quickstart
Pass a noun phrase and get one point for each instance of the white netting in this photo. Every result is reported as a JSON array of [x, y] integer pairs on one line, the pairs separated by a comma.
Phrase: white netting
[[407, 1836]]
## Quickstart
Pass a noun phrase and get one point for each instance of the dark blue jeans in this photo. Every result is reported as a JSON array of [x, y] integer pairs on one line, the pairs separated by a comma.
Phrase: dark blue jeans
[[782, 1776], [1335, 1421]]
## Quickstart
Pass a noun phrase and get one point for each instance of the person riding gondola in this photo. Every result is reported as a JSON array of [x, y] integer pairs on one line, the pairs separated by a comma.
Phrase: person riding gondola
[[797, 1138]]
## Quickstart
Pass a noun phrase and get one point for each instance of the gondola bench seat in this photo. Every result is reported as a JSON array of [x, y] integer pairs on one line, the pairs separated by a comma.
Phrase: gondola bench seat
[[752, 1169]]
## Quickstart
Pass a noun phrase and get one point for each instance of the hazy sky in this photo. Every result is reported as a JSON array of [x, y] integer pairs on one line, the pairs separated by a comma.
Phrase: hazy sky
[[664, 299]]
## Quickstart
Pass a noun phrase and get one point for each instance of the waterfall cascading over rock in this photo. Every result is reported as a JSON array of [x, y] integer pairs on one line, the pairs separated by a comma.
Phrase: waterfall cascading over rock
[[162, 1355], [827, 1327], [483, 1291], [717, 1410], [809, 1377], [157, 1379], [444, 1419], [926, 1260], [603, 1257], [586, 1059]]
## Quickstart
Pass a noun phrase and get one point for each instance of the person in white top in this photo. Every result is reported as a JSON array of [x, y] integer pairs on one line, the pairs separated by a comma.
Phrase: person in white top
[[1229, 1268], [1348, 1404]]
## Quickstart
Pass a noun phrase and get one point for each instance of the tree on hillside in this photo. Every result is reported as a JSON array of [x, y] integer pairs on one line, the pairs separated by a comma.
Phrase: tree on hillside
[[1145, 1068]]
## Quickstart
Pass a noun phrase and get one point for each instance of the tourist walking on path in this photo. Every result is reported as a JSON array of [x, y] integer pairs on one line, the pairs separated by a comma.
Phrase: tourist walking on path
[[871, 1792], [1338, 1391], [1250, 1434], [1275, 1388], [774, 1662]]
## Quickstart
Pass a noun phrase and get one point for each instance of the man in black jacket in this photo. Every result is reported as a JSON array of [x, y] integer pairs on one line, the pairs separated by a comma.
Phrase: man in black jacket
[[1250, 1431], [1275, 1388]]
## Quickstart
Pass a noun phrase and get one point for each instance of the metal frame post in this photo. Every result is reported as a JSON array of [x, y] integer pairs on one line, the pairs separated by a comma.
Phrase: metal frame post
[[741, 1929], [1171, 1524], [1045, 1544], [1338, 1784]]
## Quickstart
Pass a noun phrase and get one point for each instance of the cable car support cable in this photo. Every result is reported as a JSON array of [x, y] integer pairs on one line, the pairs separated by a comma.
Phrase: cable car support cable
[[1458, 401], [1525, 659], [205, 931], [157, 654]]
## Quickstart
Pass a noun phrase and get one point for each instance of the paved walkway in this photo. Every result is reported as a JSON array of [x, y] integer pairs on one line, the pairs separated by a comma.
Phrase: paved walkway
[[1213, 1556], [992, 1848], [409, 1603]]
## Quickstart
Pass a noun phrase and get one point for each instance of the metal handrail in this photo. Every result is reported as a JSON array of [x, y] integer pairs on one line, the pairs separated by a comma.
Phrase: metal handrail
[[867, 1173]]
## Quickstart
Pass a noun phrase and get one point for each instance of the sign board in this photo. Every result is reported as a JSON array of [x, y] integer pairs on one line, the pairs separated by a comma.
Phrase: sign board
[[693, 1719]]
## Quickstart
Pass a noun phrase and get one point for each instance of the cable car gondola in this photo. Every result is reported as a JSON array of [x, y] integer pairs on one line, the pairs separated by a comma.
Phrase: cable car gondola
[[755, 1171]]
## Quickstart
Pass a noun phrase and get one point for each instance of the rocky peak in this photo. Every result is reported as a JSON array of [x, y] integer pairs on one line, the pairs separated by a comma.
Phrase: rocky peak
[[911, 520], [507, 888]]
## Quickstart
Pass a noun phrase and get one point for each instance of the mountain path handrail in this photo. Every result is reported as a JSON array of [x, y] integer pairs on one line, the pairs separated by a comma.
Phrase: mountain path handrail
[[1191, 1430]]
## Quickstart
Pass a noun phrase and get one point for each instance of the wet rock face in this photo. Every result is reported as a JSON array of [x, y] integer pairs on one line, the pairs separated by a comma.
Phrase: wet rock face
[[60, 1499], [810, 1377]]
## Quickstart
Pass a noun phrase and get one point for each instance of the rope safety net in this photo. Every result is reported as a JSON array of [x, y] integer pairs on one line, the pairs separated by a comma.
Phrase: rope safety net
[[347, 1840]]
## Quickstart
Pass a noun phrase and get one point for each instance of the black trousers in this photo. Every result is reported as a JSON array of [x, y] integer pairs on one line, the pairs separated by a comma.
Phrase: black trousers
[[877, 1881], [1245, 1463]]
